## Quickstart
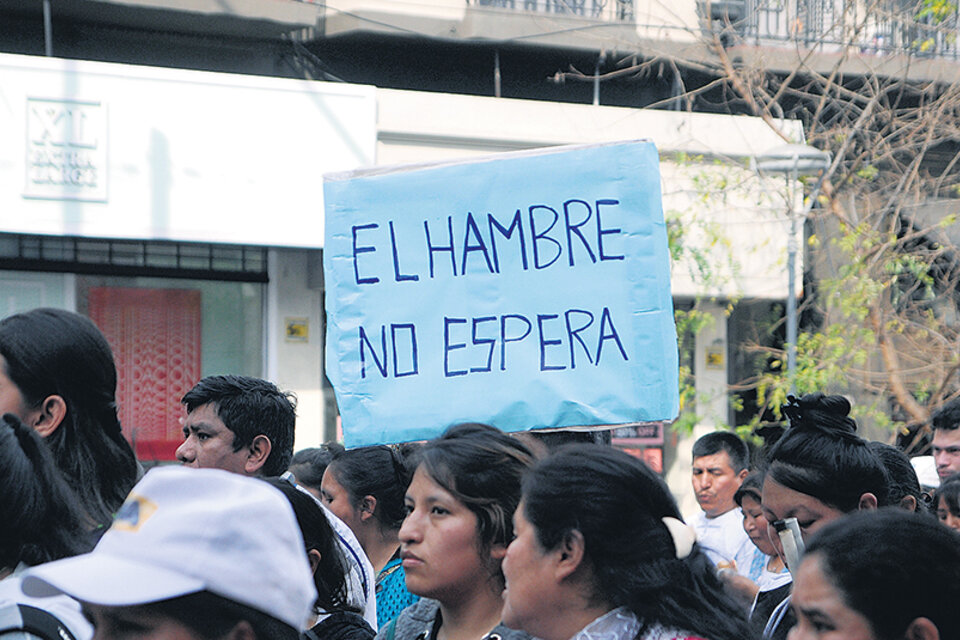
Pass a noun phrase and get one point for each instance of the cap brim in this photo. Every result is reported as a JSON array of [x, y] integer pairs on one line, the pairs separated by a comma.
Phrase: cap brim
[[101, 579]]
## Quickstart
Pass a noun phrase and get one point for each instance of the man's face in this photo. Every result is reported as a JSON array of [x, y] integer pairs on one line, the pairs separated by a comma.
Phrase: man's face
[[715, 482], [946, 452], [115, 623], [208, 443]]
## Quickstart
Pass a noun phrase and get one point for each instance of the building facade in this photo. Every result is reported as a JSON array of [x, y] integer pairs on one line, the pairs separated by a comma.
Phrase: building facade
[[162, 169]]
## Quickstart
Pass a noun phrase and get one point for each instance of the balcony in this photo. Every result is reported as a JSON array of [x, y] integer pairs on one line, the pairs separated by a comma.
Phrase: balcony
[[610, 10], [926, 29], [883, 28], [586, 25]]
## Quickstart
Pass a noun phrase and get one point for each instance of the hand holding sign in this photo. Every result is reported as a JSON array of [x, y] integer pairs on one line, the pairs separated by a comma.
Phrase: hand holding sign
[[524, 290]]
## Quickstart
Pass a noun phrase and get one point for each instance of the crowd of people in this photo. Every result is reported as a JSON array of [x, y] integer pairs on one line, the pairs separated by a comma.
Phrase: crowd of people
[[474, 535]]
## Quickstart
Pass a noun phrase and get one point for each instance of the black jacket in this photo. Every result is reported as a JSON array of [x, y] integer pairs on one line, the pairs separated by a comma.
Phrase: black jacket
[[342, 625]]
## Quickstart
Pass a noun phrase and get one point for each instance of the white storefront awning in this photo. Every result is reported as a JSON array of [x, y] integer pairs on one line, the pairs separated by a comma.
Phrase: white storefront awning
[[119, 151]]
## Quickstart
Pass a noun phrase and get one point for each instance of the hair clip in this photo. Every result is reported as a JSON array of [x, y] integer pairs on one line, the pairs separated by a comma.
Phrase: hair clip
[[682, 534]]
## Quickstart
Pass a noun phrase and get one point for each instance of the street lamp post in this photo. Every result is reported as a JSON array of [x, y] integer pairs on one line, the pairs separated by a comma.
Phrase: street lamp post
[[793, 161]]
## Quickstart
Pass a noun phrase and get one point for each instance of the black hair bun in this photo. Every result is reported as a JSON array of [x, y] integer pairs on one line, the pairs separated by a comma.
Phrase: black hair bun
[[816, 411]]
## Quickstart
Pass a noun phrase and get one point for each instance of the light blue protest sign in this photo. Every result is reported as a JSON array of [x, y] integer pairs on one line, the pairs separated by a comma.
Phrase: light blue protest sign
[[527, 291]]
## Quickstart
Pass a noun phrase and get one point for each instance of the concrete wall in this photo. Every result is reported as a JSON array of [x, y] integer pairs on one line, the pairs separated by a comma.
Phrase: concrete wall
[[295, 295], [732, 227], [712, 408]]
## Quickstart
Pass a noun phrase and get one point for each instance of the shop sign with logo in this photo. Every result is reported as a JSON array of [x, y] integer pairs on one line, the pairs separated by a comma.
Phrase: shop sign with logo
[[66, 150]]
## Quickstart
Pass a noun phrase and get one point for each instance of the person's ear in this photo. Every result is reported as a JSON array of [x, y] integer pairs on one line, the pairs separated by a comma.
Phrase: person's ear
[[498, 551], [257, 453], [909, 503], [569, 554], [367, 506], [49, 416], [243, 630], [922, 629], [743, 474], [313, 557], [868, 502]]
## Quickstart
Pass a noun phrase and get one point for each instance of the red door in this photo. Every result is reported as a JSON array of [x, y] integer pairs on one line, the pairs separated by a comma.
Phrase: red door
[[155, 337]]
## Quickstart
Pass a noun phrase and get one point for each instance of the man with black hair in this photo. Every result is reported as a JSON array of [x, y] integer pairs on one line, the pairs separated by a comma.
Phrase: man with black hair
[[946, 439], [246, 426], [239, 424], [720, 463]]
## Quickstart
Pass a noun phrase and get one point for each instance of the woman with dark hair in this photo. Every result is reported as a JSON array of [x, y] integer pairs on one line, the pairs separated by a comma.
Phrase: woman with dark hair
[[308, 465], [364, 487], [946, 502], [58, 376], [772, 571], [465, 486], [334, 617], [817, 472], [601, 551], [40, 521], [771, 582], [889, 575]]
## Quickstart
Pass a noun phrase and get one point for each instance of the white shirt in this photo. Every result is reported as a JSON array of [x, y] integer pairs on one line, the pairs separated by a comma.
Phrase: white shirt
[[65, 608], [724, 540], [769, 580]]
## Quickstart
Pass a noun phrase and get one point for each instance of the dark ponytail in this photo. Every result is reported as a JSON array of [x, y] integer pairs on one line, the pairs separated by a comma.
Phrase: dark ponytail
[[618, 504], [378, 471], [40, 517]]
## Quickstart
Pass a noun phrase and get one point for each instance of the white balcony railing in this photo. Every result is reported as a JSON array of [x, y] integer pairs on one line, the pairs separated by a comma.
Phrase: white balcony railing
[[609, 10], [878, 28]]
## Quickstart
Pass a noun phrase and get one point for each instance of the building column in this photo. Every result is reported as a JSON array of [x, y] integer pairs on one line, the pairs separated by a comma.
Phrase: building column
[[712, 402]]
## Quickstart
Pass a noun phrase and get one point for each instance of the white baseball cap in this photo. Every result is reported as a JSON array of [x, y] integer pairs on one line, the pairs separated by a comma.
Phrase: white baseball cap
[[185, 530]]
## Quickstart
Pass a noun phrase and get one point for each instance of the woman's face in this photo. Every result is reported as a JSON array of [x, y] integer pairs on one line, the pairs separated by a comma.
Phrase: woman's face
[[440, 544], [945, 515], [526, 567], [756, 525], [821, 611], [338, 500], [780, 502]]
